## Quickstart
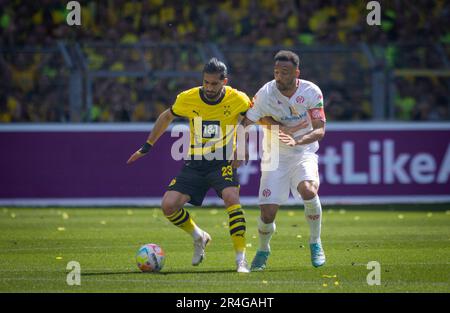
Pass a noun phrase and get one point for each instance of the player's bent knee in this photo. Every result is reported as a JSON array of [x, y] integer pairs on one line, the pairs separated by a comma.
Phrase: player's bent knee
[[230, 196], [171, 203]]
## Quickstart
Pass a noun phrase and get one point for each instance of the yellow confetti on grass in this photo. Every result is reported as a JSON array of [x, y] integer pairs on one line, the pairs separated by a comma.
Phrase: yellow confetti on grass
[[59, 257], [429, 214], [103, 222], [356, 218], [13, 215], [299, 236], [213, 211], [61, 228], [336, 283], [249, 245], [291, 213], [129, 212], [264, 281], [329, 276], [65, 216], [447, 212], [401, 216], [325, 285], [254, 236], [342, 211]]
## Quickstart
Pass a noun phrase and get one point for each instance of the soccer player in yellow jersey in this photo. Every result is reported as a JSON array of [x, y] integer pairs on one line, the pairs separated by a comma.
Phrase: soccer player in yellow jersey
[[213, 110]]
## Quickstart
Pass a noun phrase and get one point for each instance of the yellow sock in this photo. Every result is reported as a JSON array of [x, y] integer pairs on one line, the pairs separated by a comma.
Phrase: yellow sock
[[236, 222], [183, 220]]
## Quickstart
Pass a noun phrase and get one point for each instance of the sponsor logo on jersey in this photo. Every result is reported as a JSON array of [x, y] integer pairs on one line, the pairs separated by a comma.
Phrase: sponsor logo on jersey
[[210, 129], [294, 117], [294, 111]]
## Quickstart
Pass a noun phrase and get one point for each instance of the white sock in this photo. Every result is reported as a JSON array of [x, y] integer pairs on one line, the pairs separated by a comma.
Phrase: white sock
[[240, 256], [313, 215], [265, 234], [197, 233]]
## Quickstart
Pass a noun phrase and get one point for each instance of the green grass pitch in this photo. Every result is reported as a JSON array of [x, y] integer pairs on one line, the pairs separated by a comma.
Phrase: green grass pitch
[[411, 243]]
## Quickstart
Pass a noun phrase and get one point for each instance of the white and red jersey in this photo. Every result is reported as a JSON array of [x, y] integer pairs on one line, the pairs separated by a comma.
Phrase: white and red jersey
[[305, 104]]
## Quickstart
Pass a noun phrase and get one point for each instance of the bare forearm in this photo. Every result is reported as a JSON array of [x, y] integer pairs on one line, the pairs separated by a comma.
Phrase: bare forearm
[[245, 122], [312, 136], [160, 127], [268, 121]]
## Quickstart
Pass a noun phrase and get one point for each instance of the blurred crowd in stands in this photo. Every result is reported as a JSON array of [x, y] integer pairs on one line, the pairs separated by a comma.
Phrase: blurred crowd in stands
[[412, 35]]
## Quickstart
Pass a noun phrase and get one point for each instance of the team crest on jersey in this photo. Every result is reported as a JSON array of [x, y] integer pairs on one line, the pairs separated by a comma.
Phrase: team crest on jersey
[[226, 110], [300, 99], [266, 193]]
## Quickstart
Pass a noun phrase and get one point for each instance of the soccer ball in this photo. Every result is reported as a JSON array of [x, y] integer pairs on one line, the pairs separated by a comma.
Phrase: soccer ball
[[150, 258]]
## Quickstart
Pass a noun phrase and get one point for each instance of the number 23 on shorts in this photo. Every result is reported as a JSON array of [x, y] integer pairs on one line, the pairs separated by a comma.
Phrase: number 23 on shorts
[[227, 171]]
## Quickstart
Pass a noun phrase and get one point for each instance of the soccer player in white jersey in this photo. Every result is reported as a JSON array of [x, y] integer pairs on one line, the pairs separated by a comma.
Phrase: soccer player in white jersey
[[296, 105]]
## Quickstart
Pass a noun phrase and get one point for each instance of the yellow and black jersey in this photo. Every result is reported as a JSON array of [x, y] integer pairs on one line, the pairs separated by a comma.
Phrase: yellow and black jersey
[[212, 124]]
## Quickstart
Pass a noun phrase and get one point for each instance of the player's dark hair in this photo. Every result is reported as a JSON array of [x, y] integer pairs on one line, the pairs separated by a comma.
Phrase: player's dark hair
[[285, 55], [214, 66]]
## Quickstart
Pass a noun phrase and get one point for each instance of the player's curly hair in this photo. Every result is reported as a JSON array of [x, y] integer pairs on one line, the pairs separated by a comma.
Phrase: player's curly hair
[[286, 55], [214, 66]]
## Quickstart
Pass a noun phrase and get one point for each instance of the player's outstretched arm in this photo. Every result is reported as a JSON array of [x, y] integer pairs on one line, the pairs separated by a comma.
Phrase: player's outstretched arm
[[163, 121]]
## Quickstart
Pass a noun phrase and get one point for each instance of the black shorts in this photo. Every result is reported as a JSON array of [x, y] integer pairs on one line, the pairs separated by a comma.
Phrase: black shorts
[[197, 176]]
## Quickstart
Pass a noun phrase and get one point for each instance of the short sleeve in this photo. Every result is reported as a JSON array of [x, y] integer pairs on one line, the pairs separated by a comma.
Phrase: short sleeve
[[245, 102], [179, 108], [315, 104], [315, 98], [256, 111]]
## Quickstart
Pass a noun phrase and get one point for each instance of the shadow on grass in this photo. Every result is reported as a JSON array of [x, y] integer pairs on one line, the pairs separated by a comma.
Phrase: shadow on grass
[[184, 271], [212, 271], [110, 273]]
